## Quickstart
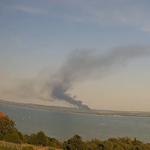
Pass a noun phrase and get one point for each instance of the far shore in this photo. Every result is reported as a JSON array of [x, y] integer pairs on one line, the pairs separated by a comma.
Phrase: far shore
[[79, 111]]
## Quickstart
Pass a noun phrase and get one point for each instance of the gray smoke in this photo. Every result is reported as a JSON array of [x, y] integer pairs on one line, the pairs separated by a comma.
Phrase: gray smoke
[[83, 64], [79, 66]]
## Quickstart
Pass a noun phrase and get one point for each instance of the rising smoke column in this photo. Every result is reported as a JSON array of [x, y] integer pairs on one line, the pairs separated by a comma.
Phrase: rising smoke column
[[79, 66], [84, 64], [59, 91]]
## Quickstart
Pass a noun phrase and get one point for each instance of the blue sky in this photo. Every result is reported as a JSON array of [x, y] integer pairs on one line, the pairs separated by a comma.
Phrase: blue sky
[[39, 35]]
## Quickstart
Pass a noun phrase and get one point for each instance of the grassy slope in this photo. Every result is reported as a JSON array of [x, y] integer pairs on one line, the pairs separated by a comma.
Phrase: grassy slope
[[26, 147], [39, 148]]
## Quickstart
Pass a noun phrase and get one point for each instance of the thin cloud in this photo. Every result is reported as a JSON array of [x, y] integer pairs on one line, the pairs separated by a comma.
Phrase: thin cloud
[[129, 13], [30, 9], [134, 13], [24, 8]]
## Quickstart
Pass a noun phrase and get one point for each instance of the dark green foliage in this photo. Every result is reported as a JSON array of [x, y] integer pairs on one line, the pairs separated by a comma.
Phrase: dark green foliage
[[51, 149], [124, 143], [6, 148], [94, 144], [136, 142], [14, 138], [9, 148], [27, 148], [20, 135], [7, 126], [33, 139], [52, 142], [41, 138], [125, 140], [26, 139], [75, 143], [1, 136]]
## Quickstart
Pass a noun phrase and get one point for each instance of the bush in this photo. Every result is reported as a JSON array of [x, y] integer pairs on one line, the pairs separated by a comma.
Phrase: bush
[[20, 135], [33, 139], [41, 138], [28, 148], [14, 138], [1, 136], [75, 143], [7, 126], [54, 143], [26, 139], [6, 148]]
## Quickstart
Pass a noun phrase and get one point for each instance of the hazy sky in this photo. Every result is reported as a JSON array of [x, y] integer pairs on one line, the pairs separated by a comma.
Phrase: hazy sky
[[37, 36]]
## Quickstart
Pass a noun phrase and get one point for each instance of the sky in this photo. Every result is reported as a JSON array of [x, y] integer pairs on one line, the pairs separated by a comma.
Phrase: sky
[[38, 38]]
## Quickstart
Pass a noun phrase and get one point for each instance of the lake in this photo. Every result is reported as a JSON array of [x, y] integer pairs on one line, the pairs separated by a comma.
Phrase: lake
[[63, 126]]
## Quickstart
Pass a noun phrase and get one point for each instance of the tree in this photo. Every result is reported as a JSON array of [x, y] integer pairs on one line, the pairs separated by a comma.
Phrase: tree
[[33, 139], [7, 126], [75, 143], [1, 136], [53, 143], [41, 138], [14, 138], [21, 136]]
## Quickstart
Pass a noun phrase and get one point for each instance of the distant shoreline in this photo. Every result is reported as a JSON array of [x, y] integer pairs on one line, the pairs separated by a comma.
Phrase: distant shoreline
[[78, 111]]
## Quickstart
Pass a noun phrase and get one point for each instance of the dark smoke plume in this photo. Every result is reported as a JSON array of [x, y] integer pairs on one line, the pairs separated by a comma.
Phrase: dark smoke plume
[[79, 66], [83, 64]]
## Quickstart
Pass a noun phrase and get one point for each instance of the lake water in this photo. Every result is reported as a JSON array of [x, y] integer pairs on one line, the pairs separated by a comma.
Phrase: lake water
[[63, 126]]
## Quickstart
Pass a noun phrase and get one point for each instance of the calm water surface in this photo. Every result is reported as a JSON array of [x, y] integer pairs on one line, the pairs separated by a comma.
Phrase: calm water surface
[[62, 126]]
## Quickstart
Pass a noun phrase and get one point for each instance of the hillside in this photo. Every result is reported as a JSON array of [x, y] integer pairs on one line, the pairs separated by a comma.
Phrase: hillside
[[8, 145]]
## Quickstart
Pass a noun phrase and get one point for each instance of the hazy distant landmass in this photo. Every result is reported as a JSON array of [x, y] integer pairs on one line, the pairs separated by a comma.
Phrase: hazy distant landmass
[[78, 110]]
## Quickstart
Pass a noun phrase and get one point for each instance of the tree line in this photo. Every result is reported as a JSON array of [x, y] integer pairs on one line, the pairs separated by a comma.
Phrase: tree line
[[9, 133]]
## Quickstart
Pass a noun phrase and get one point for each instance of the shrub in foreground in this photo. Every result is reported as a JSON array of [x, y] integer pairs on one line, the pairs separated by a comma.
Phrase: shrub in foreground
[[14, 138]]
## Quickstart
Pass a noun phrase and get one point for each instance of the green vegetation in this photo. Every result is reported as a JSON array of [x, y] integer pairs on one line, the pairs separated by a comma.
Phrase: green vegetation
[[124, 143], [9, 133], [7, 126], [14, 138], [41, 138], [6, 148]]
